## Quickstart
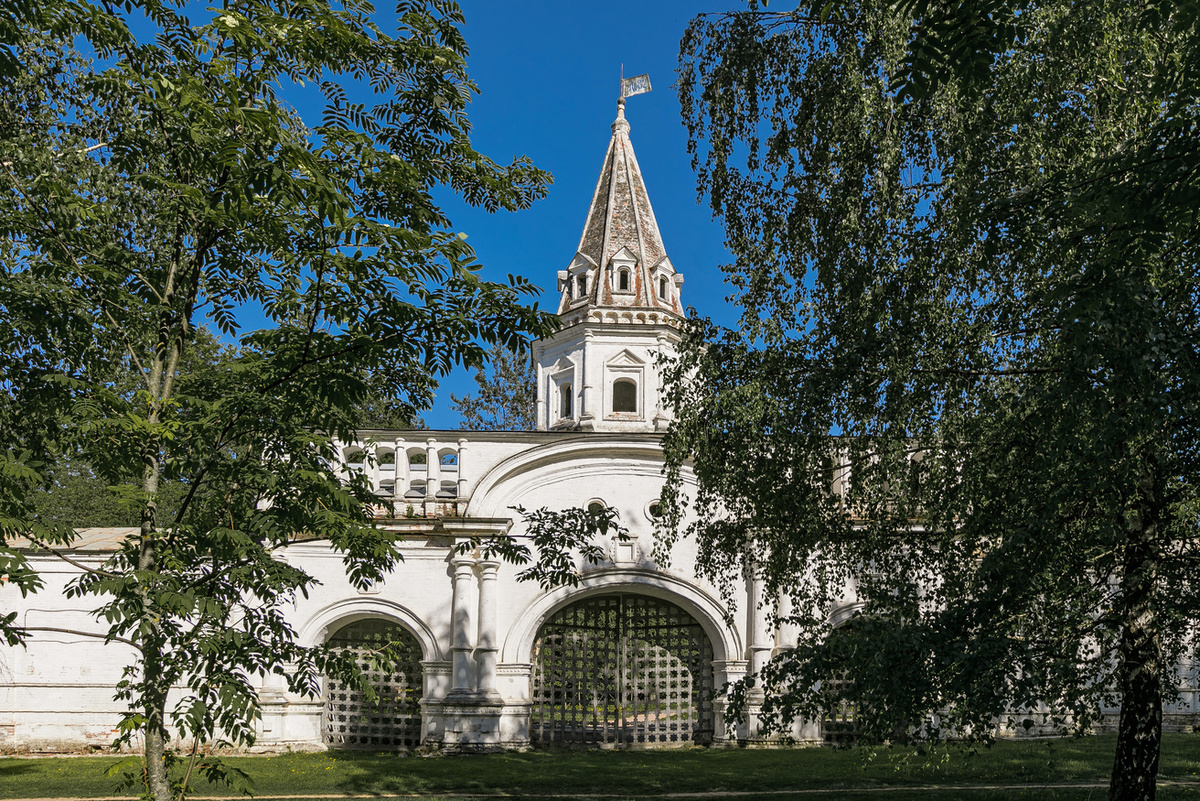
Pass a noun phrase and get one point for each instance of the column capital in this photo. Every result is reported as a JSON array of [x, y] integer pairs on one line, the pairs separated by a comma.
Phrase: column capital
[[463, 564], [488, 567]]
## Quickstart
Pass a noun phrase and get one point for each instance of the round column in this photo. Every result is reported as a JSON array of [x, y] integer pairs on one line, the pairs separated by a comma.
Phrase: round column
[[402, 474], [486, 644], [462, 470], [433, 470], [760, 640], [461, 681], [787, 630]]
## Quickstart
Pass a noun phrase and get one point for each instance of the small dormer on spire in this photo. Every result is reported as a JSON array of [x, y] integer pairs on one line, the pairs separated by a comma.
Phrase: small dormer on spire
[[621, 271]]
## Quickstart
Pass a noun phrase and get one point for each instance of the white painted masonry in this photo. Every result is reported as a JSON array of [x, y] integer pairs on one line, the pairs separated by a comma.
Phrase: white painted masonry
[[478, 628], [599, 417]]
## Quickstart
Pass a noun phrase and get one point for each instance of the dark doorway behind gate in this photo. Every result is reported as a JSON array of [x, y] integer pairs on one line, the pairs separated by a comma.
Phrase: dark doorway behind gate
[[622, 670]]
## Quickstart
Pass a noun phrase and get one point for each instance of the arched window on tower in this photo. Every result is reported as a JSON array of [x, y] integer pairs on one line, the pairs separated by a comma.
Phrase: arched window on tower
[[662, 289], [565, 412], [581, 285], [624, 395], [623, 280]]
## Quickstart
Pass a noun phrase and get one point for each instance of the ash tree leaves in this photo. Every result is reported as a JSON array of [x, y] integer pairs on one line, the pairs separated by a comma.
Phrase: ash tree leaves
[[964, 382], [161, 185], [559, 542]]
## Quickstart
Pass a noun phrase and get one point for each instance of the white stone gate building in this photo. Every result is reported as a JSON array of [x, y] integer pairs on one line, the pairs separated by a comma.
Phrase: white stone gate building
[[634, 656]]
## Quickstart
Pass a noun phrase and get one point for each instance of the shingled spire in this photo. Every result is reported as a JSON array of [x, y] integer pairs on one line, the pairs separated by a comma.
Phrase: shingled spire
[[621, 272], [620, 308]]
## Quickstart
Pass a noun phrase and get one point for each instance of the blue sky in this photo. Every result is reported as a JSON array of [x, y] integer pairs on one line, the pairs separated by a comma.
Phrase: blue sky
[[549, 77], [548, 74]]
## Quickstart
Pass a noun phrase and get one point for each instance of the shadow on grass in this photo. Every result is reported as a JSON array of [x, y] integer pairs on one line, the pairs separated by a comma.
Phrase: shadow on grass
[[638, 773], [646, 774], [14, 768]]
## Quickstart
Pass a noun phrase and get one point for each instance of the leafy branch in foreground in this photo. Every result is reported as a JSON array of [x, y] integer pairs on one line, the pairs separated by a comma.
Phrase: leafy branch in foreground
[[157, 190], [562, 540], [965, 381]]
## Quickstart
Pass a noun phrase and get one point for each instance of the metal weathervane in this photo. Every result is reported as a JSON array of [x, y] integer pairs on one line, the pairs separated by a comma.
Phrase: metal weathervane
[[636, 85]]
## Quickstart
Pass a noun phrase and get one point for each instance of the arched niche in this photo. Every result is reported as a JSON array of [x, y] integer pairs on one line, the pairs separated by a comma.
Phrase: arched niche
[[329, 619]]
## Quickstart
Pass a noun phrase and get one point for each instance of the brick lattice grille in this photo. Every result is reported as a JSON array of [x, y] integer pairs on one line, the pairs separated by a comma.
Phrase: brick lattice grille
[[393, 719], [623, 670]]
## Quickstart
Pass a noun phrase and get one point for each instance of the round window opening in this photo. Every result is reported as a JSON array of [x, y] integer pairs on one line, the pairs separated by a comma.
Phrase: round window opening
[[655, 510], [596, 507]]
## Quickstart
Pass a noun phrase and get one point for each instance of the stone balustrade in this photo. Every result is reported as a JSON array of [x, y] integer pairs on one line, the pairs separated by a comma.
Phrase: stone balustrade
[[415, 474]]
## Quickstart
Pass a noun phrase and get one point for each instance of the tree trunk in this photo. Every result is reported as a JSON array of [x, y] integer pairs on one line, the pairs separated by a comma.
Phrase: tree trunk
[[158, 782], [1135, 765], [154, 697]]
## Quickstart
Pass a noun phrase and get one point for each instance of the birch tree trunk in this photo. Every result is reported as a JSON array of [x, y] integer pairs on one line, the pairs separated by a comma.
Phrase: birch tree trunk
[[1135, 764]]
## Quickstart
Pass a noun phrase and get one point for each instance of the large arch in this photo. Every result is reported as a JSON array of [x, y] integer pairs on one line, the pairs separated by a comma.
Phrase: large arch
[[625, 670], [593, 455], [396, 719], [726, 643], [391, 718]]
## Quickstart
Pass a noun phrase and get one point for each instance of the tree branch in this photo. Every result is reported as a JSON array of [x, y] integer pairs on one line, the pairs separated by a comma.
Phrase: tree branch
[[105, 637]]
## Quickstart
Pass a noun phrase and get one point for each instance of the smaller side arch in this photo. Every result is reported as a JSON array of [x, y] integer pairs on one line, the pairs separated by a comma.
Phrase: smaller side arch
[[332, 617]]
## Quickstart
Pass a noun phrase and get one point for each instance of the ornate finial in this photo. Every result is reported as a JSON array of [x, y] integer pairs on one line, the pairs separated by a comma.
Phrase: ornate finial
[[620, 124]]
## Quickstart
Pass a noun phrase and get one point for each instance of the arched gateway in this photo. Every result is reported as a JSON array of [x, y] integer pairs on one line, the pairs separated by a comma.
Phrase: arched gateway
[[623, 670], [392, 720]]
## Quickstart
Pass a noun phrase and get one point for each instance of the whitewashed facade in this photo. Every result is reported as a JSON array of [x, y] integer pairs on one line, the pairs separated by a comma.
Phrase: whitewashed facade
[[634, 656]]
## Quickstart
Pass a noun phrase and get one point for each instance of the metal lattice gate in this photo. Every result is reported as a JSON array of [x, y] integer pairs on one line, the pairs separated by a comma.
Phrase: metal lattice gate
[[623, 670], [840, 721], [393, 719]]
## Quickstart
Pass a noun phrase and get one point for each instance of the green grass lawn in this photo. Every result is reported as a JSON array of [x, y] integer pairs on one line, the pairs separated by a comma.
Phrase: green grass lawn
[[840, 774]]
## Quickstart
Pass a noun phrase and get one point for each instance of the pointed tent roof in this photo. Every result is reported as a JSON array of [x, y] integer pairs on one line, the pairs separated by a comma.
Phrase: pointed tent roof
[[620, 223]]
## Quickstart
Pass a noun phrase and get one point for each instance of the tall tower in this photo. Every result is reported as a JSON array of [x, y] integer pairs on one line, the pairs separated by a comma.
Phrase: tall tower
[[619, 307]]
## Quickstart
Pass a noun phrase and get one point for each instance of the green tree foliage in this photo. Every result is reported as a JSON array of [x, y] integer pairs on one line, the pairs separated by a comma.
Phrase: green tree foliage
[[965, 382], [507, 396], [75, 496], [556, 542], [168, 183]]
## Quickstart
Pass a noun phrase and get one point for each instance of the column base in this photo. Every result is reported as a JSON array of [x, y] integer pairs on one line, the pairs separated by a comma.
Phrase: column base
[[472, 723]]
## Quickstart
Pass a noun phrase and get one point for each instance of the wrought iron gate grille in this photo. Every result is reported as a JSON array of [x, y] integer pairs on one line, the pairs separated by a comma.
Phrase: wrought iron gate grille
[[840, 722], [625, 670], [393, 719]]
